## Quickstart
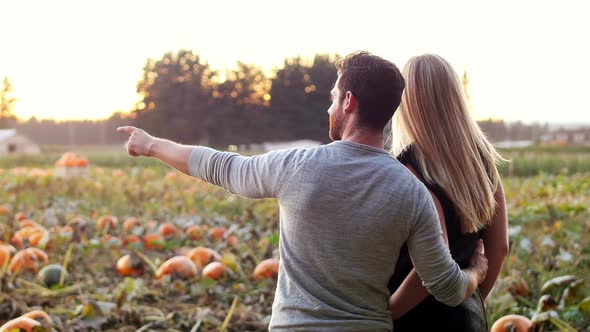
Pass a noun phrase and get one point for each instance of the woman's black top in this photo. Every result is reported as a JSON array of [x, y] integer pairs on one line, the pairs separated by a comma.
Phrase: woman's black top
[[431, 315]]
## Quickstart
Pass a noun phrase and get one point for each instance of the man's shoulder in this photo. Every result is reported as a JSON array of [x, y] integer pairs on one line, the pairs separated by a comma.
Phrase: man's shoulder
[[414, 191], [299, 152]]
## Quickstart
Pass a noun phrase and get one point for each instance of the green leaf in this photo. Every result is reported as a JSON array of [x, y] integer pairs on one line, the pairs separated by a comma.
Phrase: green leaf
[[200, 288], [558, 282], [546, 302], [274, 239], [584, 305]]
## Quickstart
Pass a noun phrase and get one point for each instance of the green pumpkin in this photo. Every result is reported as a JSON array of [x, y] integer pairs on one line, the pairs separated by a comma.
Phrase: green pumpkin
[[50, 275]]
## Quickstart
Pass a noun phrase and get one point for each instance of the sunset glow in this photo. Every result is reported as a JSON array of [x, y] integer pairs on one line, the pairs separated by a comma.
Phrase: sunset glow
[[526, 60]]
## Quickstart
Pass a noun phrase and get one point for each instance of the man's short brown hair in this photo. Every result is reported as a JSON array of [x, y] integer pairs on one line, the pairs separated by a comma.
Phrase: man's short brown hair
[[376, 83]]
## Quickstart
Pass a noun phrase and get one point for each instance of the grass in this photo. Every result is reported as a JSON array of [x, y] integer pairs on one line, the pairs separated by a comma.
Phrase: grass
[[526, 162], [548, 200]]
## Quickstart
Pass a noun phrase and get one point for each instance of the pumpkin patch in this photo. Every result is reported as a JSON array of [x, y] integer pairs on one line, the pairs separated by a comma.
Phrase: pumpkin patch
[[127, 247]]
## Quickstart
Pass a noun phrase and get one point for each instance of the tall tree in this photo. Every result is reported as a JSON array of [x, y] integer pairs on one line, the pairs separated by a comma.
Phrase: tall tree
[[300, 95], [177, 100], [7, 102], [288, 99], [243, 100], [323, 75]]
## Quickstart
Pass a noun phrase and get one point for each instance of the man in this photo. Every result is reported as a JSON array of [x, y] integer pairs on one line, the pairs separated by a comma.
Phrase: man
[[346, 208]]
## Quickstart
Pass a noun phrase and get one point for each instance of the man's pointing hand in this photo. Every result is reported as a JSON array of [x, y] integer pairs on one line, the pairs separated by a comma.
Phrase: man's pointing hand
[[140, 143]]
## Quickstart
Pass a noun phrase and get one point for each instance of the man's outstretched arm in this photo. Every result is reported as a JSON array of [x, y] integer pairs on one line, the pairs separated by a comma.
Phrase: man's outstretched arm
[[254, 177], [143, 144]]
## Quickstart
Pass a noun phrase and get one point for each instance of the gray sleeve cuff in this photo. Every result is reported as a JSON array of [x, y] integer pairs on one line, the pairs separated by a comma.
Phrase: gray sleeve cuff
[[448, 291]]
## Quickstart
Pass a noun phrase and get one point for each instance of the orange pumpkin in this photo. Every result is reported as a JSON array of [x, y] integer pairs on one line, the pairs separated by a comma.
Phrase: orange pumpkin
[[153, 241], [27, 231], [5, 255], [28, 223], [20, 324], [215, 270], [4, 211], [20, 262], [131, 239], [68, 159], [38, 254], [130, 223], [194, 232], [40, 238], [9, 246], [105, 221], [17, 241], [168, 230], [268, 268], [82, 162], [232, 241], [202, 256], [217, 233], [519, 287], [183, 251], [36, 236], [19, 216], [515, 323], [128, 267], [28, 260], [180, 266]]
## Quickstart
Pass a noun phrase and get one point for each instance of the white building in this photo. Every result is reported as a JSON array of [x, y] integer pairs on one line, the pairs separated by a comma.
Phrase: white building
[[514, 144], [13, 143], [272, 146]]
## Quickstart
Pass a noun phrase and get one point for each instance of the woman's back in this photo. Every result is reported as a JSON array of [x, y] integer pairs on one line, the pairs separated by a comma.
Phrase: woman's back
[[431, 314], [454, 158]]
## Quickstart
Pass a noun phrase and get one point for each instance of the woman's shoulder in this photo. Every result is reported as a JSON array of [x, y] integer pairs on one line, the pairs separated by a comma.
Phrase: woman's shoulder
[[408, 158]]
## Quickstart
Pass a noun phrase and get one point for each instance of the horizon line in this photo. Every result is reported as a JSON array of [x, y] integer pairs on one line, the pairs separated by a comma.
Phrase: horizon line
[[526, 122]]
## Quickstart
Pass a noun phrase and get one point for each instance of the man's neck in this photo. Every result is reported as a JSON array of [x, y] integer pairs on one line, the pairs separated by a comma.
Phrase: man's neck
[[366, 137]]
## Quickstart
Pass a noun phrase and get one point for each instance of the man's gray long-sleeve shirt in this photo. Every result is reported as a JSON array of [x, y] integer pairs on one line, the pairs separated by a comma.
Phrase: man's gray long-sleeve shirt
[[345, 211]]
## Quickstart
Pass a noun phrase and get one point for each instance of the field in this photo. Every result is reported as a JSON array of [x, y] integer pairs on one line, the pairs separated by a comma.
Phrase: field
[[548, 196]]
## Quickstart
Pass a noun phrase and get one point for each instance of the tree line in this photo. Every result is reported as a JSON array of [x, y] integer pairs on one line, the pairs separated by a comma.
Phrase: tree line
[[184, 99]]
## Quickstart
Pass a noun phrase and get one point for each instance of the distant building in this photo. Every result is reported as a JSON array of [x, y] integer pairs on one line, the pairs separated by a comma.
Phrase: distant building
[[271, 146], [578, 136], [514, 144], [13, 143], [304, 143]]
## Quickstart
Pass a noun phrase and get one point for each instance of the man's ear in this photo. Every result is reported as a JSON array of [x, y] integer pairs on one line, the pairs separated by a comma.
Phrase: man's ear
[[350, 103]]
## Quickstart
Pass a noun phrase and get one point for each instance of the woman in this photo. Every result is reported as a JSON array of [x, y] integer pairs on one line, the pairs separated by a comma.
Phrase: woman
[[436, 138]]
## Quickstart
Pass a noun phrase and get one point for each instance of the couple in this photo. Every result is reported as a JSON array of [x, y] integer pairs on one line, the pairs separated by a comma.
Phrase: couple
[[349, 209]]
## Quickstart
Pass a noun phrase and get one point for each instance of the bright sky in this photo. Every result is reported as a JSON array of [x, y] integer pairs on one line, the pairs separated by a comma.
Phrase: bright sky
[[527, 60]]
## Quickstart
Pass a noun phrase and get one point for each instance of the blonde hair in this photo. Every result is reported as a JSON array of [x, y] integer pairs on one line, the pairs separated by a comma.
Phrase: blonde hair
[[449, 147]]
